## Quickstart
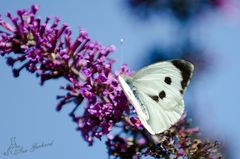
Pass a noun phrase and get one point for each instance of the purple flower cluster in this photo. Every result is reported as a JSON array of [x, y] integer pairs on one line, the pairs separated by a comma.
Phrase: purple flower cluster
[[106, 105], [180, 141], [41, 46], [46, 49]]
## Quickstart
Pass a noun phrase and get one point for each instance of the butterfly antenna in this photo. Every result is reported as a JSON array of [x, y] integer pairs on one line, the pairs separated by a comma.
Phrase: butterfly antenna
[[121, 52]]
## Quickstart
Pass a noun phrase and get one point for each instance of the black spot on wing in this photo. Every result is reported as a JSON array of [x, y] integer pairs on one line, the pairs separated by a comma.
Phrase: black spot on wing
[[162, 94], [155, 98], [181, 91], [186, 69], [168, 80]]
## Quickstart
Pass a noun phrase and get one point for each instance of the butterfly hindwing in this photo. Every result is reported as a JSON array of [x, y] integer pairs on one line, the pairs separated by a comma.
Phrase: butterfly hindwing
[[159, 89], [160, 119]]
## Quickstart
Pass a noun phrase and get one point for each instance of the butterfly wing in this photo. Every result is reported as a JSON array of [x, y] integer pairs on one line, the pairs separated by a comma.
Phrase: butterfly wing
[[159, 90], [143, 115]]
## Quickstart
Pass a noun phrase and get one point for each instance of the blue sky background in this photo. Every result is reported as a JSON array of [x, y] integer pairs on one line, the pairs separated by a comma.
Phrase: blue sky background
[[27, 111]]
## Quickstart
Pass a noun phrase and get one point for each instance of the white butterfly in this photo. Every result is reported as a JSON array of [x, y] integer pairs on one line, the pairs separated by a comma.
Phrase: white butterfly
[[156, 92]]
